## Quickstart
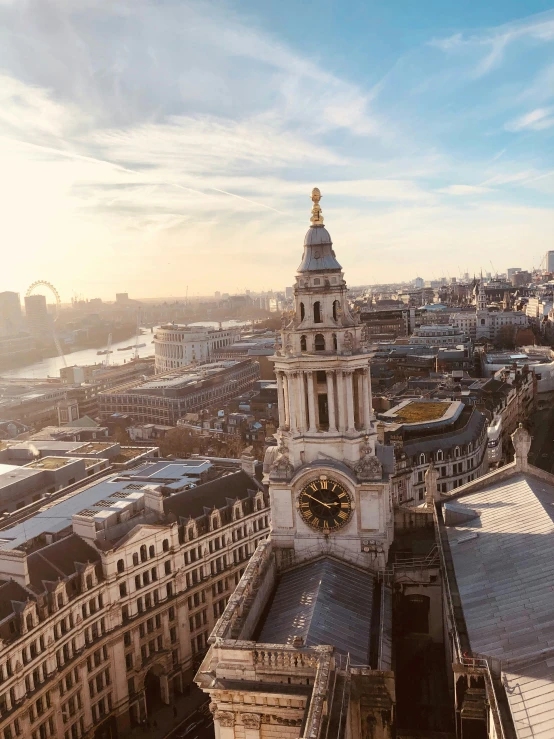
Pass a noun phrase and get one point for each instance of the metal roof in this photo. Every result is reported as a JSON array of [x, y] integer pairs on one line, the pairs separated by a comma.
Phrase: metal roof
[[504, 568], [325, 602]]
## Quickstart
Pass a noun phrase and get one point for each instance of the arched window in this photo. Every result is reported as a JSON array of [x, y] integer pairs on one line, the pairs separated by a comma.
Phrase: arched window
[[302, 312], [29, 622], [440, 455], [335, 342], [336, 306], [135, 558], [151, 551], [165, 545], [317, 312], [470, 447], [319, 343], [422, 459], [143, 555], [120, 565], [302, 343], [457, 452]]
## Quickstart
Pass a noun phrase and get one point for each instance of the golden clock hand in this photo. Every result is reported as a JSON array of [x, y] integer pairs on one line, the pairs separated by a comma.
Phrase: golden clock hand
[[317, 501]]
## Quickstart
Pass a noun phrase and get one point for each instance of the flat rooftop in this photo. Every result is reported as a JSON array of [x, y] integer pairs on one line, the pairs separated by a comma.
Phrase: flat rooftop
[[50, 463]]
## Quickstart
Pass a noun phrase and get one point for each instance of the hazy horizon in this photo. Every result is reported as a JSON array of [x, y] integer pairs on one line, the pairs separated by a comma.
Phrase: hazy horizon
[[147, 146]]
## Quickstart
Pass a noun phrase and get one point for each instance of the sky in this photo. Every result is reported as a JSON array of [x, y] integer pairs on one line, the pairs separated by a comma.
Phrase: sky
[[150, 146]]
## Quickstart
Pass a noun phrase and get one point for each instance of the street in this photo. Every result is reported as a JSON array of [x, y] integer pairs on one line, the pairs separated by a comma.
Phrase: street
[[204, 730]]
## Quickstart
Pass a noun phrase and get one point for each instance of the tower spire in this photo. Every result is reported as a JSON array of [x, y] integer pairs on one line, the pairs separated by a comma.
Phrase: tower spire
[[317, 215]]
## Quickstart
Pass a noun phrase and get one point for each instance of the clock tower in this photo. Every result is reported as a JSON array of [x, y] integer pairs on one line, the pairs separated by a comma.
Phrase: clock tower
[[329, 492]]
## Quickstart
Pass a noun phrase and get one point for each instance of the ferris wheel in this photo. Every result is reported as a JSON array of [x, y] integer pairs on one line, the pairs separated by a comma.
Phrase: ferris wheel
[[51, 288], [55, 293]]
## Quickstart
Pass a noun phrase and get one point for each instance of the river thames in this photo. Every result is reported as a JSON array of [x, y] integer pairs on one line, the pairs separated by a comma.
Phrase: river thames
[[50, 366]]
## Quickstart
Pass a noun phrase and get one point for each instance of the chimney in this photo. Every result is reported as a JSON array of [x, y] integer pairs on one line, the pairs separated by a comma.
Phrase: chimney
[[153, 499], [431, 488], [248, 462]]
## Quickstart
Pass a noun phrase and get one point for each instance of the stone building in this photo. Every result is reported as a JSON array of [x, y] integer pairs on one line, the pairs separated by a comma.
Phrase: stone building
[[109, 596], [166, 398], [450, 434], [282, 662], [178, 346]]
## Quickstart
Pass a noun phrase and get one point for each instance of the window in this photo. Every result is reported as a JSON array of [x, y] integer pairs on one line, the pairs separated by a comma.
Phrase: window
[[120, 565], [135, 559], [335, 342], [319, 343], [303, 346], [123, 589], [336, 309], [143, 556], [165, 545], [127, 639], [151, 551], [317, 312], [167, 567], [440, 456], [302, 312], [422, 459]]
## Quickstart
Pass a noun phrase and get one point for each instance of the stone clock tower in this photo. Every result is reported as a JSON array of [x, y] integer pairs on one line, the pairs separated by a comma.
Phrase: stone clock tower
[[329, 494]]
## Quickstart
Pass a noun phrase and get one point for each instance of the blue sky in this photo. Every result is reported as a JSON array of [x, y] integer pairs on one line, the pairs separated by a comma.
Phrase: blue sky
[[148, 145]]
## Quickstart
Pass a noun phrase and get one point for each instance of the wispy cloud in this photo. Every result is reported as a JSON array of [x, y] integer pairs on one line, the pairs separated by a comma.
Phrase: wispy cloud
[[536, 120], [465, 190]]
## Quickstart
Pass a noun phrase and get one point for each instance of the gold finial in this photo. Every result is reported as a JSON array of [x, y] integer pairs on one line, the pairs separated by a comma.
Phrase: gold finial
[[317, 215]]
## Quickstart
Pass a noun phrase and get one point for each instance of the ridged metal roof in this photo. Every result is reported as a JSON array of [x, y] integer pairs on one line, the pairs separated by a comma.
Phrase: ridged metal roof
[[325, 602], [504, 568]]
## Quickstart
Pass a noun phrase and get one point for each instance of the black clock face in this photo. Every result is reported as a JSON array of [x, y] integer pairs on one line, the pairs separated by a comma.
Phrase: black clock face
[[324, 504]]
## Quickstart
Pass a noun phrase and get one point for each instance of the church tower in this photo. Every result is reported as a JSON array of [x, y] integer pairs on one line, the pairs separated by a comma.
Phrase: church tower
[[326, 481], [483, 319]]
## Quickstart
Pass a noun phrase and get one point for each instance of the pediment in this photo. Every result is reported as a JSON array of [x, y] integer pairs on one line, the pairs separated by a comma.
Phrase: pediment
[[138, 535]]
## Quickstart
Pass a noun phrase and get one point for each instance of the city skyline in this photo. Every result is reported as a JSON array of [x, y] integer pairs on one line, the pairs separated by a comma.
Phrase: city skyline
[[173, 145]]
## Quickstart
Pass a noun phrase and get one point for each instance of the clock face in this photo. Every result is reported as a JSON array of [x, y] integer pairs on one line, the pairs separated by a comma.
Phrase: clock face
[[324, 504]]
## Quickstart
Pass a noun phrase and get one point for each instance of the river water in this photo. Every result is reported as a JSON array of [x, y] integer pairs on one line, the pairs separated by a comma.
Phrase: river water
[[50, 367]]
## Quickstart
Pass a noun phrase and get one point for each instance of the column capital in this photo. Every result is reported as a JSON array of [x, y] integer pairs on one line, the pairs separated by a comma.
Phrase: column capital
[[251, 720], [225, 718]]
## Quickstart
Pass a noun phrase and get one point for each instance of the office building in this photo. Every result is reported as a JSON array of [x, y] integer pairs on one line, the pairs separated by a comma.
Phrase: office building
[[179, 346], [37, 318], [11, 317]]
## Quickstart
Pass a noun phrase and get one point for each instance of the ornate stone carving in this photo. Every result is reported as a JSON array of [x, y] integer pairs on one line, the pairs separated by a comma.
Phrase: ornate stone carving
[[348, 342], [225, 718], [282, 468], [365, 335], [369, 467], [251, 720]]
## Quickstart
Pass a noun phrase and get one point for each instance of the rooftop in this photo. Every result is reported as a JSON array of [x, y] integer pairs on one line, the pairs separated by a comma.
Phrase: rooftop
[[419, 410], [50, 463], [505, 577], [325, 602]]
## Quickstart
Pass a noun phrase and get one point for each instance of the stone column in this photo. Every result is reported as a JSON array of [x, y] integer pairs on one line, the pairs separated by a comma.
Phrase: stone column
[[224, 724], [349, 376], [293, 423], [252, 723], [340, 401], [361, 415], [366, 399], [286, 398], [331, 401], [302, 403], [311, 402], [280, 400]]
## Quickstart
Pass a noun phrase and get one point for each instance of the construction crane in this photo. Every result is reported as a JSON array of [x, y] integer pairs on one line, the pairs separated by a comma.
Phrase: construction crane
[[108, 351]]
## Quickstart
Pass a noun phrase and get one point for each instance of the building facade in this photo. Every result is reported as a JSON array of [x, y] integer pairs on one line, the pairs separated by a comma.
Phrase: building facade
[[178, 346], [37, 318], [112, 617], [11, 317], [168, 397]]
